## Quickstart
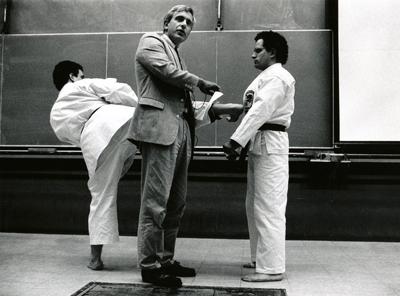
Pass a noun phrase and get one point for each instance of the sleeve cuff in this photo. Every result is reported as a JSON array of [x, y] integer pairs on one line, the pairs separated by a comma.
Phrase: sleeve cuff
[[212, 115], [237, 141]]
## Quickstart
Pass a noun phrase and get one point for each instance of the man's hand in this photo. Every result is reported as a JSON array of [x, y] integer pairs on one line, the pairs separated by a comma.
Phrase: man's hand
[[229, 149], [207, 87], [233, 111]]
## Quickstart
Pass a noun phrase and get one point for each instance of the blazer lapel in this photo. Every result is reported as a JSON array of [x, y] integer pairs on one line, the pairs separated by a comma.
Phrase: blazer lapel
[[170, 46]]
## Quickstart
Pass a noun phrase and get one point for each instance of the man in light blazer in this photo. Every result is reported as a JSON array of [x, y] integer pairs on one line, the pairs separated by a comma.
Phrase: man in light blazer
[[163, 125]]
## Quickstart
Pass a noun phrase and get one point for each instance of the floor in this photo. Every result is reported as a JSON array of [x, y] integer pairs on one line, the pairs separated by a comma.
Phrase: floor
[[40, 264]]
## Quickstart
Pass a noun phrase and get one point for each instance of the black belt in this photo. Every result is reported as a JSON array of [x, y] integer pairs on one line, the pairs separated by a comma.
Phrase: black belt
[[272, 127], [264, 127]]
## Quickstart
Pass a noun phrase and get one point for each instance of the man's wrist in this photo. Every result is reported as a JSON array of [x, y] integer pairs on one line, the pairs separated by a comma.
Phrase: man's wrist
[[200, 83], [234, 144], [215, 112]]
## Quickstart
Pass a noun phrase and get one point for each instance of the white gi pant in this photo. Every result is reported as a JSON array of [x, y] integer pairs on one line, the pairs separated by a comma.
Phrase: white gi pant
[[266, 198], [108, 156]]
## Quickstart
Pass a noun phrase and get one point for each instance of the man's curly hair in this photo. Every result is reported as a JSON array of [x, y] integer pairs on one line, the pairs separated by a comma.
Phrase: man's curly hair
[[275, 41]]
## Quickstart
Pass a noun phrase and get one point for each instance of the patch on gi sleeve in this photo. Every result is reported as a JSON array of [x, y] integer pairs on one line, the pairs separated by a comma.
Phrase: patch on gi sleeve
[[248, 102]]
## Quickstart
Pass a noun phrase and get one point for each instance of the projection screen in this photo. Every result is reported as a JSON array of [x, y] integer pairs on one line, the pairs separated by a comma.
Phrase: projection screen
[[369, 70]]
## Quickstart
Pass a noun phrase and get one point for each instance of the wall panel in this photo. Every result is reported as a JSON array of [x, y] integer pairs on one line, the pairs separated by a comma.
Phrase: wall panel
[[81, 16], [273, 14], [144, 16], [1, 84], [326, 201]]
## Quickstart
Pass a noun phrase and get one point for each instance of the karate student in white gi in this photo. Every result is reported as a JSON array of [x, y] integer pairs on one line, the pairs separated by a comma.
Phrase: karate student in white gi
[[268, 105], [94, 115]]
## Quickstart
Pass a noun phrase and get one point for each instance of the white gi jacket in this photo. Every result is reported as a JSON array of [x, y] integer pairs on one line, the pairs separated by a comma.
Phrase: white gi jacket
[[78, 101], [265, 102]]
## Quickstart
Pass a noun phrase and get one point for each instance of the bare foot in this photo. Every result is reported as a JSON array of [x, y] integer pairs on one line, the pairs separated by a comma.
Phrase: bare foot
[[249, 265], [262, 277], [95, 257]]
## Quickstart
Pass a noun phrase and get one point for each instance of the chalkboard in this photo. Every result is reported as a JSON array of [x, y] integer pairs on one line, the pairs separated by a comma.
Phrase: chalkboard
[[369, 98], [224, 56]]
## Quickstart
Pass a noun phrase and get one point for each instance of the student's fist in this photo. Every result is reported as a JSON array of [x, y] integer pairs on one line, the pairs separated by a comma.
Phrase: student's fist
[[229, 149]]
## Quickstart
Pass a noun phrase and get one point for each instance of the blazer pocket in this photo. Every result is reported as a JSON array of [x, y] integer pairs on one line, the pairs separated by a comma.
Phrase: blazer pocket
[[151, 102]]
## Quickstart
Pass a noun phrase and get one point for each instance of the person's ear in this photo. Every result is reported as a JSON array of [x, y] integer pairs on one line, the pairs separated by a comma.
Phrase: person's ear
[[72, 77], [273, 53], [166, 23]]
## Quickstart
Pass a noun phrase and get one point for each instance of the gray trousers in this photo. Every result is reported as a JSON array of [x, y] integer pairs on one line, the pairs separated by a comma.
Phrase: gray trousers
[[164, 183]]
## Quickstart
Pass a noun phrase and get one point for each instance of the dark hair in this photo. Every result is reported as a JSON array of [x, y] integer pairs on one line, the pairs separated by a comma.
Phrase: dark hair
[[276, 41], [175, 9], [62, 70]]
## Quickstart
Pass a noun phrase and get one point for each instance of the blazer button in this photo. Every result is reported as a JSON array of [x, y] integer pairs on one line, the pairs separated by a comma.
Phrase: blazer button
[[177, 115]]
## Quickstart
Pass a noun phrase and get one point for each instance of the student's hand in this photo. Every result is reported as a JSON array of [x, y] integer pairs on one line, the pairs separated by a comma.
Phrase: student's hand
[[233, 111], [229, 149], [208, 87]]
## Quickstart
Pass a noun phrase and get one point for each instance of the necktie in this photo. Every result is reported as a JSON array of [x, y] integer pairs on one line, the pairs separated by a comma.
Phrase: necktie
[[179, 58], [188, 106], [187, 98]]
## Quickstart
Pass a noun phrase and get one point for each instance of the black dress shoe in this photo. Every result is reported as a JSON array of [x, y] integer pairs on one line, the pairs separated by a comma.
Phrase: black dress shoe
[[156, 277], [176, 269]]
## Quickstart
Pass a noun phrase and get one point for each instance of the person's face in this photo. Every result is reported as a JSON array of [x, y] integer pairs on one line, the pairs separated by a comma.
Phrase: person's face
[[261, 57], [74, 78], [180, 26]]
